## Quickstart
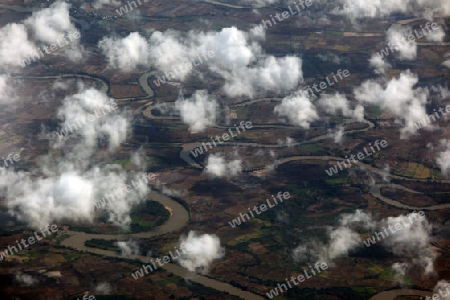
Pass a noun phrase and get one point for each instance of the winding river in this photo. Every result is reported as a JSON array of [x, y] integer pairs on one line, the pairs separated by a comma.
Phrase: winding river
[[180, 216]]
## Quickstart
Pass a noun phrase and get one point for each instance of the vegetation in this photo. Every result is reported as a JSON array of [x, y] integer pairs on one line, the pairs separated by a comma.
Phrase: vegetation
[[102, 244]]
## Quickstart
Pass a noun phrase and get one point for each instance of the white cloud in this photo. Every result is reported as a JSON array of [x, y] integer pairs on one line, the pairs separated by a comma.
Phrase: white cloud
[[217, 166], [411, 242], [436, 35], [298, 109], [443, 157], [338, 134], [204, 249], [230, 52], [129, 248], [399, 96], [127, 53], [274, 74], [14, 45], [66, 188], [25, 280], [103, 288], [379, 64], [338, 102], [7, 91], [106, 122], [199, 111], [49, 26], [52, 24], [398, 38]]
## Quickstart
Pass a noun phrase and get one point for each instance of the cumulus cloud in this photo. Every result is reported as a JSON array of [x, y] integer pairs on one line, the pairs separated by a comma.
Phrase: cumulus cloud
[[127, 53], [217, 166], [397, 37], [67, 187], [436, 35], [274, 74], [410, 242], [230, 52], [129, 248], [342, 240], [205, 248], [91, 115], [7, 91], [68, 194], [199, 111], [443, 157], [48, 26], [53, 24], [298, 110], [446, 63], [379, 65], [103, 288], [400, 270], [399, 96], [338, 134], [25, 280], [337, 102], [14, 45]]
